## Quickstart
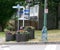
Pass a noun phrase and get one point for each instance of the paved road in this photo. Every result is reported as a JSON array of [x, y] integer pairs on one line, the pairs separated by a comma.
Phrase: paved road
[[30, 47]]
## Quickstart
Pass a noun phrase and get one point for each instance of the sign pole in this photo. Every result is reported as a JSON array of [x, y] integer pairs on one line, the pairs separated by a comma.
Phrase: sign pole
[[18, 14], [18, 17], [44, 29], [18, 7], [23, 17]]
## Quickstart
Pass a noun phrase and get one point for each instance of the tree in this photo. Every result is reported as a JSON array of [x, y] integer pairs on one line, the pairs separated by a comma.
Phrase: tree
[[6, 11]]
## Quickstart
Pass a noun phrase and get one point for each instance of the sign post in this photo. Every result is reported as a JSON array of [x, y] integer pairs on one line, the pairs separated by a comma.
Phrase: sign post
[[24, 11], [18, 7], [44, 30], [18, 14]]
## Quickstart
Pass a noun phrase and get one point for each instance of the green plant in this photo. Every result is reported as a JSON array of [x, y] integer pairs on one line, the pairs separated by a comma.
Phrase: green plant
[[22, 32], [29, 27]]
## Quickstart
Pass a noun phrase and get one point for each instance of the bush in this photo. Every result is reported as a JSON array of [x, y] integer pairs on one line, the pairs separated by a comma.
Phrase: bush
[[29, 28]]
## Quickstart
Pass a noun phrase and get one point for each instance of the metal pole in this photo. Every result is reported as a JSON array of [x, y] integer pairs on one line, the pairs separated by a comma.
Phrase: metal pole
[[29, 11], [18, 17], [23, 17], [23, 22], [44, 30]]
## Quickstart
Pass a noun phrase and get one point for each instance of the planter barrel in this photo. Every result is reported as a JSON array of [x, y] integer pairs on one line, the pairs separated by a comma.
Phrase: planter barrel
[[14, 36], [10, 37], [21, 37], [31, 35]]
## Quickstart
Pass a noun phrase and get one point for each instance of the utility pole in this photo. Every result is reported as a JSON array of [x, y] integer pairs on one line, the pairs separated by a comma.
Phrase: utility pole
[[44, 29]]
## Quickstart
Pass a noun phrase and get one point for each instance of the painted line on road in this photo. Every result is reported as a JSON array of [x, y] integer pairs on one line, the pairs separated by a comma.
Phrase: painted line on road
[[50, 47]]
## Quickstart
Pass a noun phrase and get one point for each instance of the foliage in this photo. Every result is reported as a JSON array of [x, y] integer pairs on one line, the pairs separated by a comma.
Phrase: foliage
[[29, 27], [6, 10]]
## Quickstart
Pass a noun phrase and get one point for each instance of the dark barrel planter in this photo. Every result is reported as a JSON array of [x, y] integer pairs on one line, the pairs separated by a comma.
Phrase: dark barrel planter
[[14, 36], [31, 35], [10, 37], [21, 37]]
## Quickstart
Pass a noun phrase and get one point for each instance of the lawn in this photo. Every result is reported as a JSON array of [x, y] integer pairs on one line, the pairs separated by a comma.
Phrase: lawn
[[2, 34], [53, 35]]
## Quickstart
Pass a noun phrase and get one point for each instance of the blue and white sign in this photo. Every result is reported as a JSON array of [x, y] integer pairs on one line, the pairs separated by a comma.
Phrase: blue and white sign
[[21, 11], [26, 11]]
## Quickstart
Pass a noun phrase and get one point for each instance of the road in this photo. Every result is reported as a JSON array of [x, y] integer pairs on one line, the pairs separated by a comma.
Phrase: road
[[30, 47]]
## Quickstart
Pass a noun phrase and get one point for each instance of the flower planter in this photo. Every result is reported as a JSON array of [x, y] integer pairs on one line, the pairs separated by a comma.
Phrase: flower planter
[[21, 37], [31, 35], [14, 36], [31, 30], [10, 37]]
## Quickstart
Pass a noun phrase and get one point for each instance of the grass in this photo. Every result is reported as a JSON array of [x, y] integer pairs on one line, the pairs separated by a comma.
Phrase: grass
[[53, 35], [2, 34], [53, 31], [37, 32]]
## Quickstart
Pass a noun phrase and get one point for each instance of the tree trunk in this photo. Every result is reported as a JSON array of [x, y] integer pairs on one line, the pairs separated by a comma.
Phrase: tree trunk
[[0, 29]]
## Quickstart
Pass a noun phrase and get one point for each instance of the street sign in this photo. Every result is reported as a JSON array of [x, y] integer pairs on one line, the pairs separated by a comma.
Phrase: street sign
[[18, 6], [26, 11], [18, 13], [21, 11], [46, 10]]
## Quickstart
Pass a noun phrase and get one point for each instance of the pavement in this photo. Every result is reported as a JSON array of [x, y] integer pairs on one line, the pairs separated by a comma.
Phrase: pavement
[[30, 47]]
